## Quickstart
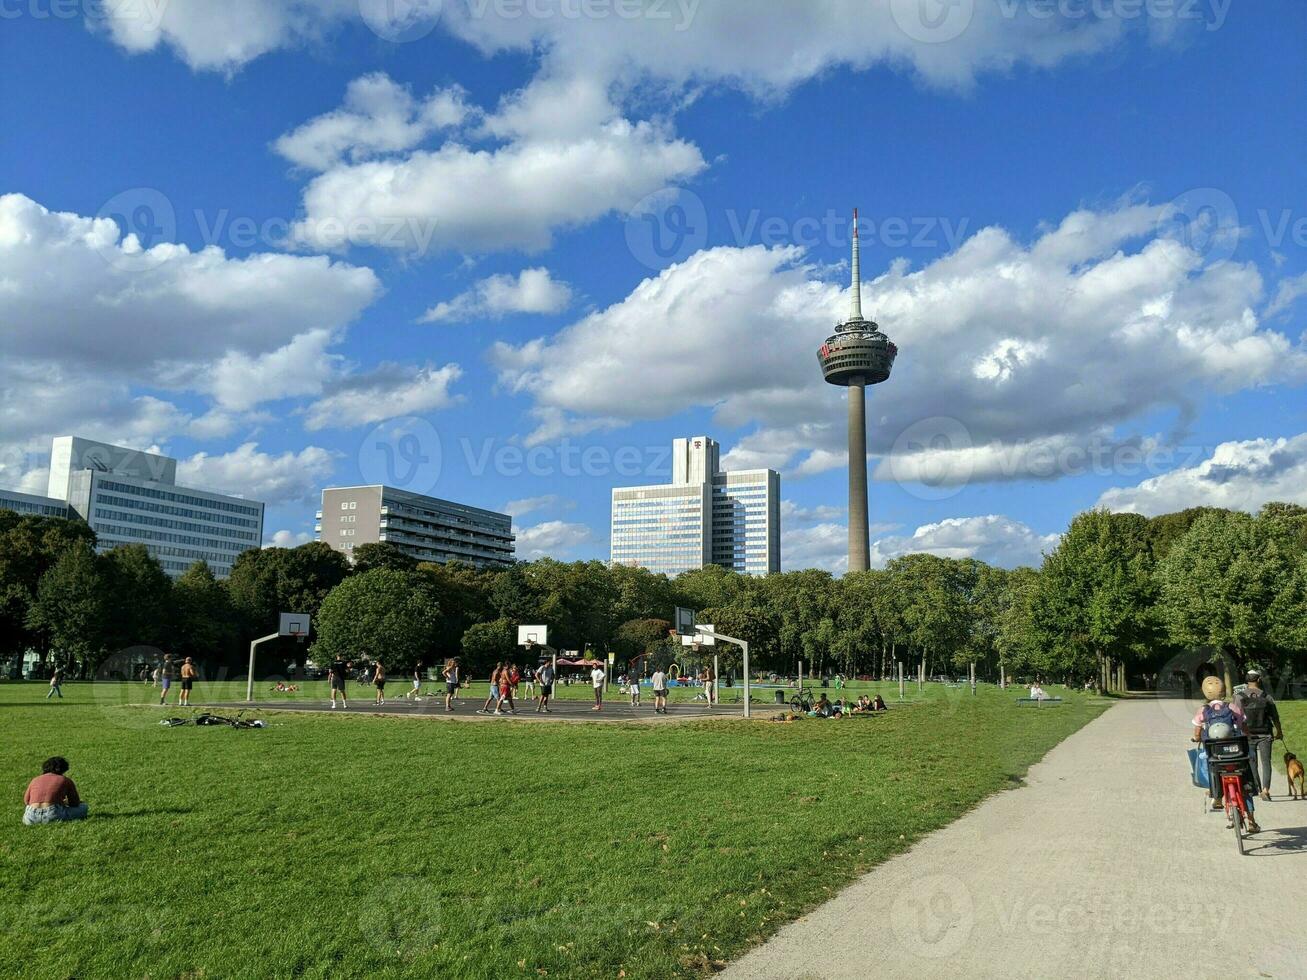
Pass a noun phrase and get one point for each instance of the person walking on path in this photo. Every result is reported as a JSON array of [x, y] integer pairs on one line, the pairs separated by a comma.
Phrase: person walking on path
[[546, 688], [55, 680], [494, 689], [506, 685], [337, 675], [165, 678], [52, 796], [417, 681], [529, 680], [659, 681], [634, 683], [379, 680], [189, 673], [599, 680], [1261, 723], [709, 684], [450, 673]]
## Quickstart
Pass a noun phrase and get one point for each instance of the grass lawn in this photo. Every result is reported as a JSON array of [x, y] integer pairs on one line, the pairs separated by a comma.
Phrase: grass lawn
[[333, 845]]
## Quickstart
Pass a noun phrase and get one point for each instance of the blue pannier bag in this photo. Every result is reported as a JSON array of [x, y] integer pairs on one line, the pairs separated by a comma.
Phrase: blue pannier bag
[[1201, 774]]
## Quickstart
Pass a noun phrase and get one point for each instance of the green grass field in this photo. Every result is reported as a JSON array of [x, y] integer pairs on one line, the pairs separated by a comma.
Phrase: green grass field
[[330, 845]]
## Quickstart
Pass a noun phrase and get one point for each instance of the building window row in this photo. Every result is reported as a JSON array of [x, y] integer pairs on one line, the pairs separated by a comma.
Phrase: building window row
[[181, 498], [132, 518]]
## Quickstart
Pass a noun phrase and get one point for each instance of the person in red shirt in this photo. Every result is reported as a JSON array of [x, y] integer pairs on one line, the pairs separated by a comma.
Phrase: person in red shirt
[[52, 796]]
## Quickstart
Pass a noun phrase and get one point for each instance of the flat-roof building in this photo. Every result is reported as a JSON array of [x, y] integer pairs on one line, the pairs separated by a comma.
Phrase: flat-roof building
[[131, 497], [30, 503], [705, 516], [427, 528]]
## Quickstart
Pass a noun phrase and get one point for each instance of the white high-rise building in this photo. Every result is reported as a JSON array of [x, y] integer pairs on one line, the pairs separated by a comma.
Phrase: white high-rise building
[[703, 517]]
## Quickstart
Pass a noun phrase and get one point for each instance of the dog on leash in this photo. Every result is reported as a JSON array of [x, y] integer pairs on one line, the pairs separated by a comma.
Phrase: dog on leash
[[1293, 769]]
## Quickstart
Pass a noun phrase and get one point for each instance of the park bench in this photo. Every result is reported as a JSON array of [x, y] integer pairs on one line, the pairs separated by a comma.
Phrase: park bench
[[1039, 702]]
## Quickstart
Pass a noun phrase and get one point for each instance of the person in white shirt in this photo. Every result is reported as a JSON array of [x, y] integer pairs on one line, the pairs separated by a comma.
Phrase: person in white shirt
[[659, 681], [599, 679]]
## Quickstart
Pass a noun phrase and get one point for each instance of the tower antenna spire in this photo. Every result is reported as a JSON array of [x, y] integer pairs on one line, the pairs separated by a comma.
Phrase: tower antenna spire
[[855, 303]]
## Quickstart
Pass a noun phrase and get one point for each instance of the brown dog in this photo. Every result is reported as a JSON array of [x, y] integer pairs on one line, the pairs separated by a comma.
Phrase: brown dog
[[1293, 769]]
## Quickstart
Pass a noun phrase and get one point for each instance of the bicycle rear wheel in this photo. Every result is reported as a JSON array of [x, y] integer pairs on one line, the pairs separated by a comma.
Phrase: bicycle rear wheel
[[1238, 829]]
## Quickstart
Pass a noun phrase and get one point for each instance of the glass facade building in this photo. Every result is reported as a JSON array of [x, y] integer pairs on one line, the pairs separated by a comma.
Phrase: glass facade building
[[705, 516], [427, 528]]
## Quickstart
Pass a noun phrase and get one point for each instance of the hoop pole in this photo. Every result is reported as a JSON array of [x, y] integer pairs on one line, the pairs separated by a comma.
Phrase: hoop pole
[[716, 680], [900, 680], [744, 646], [249, 681]]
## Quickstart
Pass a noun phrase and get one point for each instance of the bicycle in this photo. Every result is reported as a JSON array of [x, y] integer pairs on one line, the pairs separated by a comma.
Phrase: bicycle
[[802, 702], [1230, 760]]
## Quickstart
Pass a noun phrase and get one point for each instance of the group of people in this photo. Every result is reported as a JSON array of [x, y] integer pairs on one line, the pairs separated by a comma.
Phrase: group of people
[[826, 708], [162, 675]]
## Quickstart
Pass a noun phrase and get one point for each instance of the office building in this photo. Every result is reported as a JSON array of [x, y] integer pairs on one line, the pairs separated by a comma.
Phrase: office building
[[30, 503], [705, 516], [131, 497], [427, 528]]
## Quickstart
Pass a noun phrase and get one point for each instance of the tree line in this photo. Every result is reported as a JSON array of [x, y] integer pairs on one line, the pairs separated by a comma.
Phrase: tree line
[[1115, 601]]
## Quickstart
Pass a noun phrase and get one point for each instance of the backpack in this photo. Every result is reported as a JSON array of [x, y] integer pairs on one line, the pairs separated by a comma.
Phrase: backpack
[[1255, 705], [1225, 714]]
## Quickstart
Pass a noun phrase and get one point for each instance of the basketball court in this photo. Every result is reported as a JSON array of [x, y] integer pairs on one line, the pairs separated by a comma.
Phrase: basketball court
[[616, 710]]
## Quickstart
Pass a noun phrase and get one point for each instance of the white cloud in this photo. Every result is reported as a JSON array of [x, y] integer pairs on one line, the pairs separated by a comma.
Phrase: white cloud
[[286, 478], [1100, 321], [73, 289], [531, 291], [379, 116], [530, 505], [386, 392], [1286, 294], [763, 48], [288, 539], [996, 540], [551, 539], [219, 36], [514, 194], [1238, 475], [824, 545], [793, 513]]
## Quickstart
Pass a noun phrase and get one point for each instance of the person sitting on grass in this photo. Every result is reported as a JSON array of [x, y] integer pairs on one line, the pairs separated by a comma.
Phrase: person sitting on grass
[[879, 704], [52, 796], [823, 707]]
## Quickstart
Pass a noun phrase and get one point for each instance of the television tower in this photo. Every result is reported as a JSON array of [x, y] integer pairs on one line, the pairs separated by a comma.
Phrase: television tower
[[857, 355]]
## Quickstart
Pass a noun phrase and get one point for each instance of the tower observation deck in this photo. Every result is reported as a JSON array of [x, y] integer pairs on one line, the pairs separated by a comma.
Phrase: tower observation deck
[[855, 356]]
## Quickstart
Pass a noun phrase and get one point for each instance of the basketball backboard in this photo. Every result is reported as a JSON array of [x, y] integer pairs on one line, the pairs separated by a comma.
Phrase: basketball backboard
[[539, 635], [700, 639], [294, 624], [684, 623]]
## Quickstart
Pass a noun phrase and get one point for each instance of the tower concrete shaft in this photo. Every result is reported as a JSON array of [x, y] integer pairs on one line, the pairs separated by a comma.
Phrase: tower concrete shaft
[[857, 355], [859, 532]]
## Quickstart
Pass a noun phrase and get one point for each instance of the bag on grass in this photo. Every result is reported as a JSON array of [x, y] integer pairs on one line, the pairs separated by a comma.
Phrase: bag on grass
[[173, 722]]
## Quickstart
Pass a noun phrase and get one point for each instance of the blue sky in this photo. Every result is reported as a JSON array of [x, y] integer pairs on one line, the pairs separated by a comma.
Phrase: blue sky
[[1084, 224]]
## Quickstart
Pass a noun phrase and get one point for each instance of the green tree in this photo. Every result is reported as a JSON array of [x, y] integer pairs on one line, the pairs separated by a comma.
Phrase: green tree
[[486, 644], [138, 598], [382, 615], [69, 612], [382, 554], [205, 623], [29, 546]]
